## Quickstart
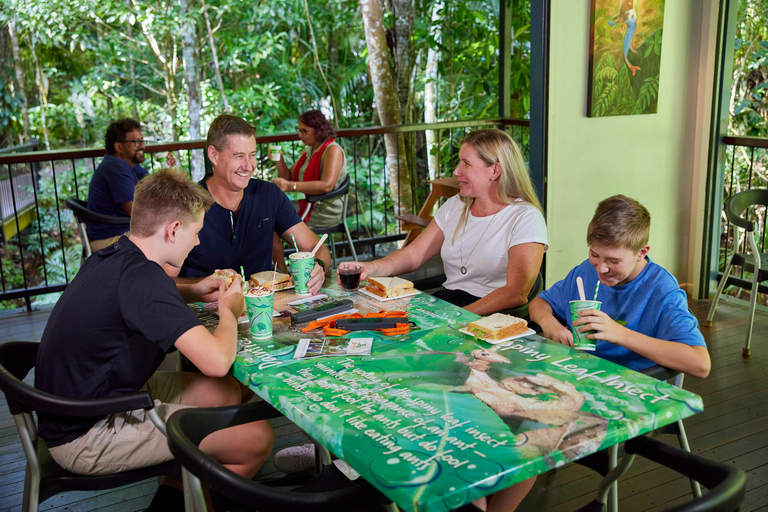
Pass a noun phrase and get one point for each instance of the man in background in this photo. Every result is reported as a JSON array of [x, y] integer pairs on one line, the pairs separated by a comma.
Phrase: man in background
[[111, 188]]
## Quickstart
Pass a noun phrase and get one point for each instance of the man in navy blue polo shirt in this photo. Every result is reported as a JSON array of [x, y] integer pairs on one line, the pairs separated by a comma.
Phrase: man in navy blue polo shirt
[[239, 227], [111, 188]]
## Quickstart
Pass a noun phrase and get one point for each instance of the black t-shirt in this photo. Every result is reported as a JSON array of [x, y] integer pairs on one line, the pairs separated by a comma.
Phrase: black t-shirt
[[108, 333], [230, 240]]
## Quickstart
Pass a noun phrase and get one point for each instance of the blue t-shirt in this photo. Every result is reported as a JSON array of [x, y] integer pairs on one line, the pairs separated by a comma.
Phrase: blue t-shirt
[[111, 186], [652, 304], [230, 240]]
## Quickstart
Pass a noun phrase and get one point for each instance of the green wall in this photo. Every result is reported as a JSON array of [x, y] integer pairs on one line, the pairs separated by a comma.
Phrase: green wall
[[656, 158]]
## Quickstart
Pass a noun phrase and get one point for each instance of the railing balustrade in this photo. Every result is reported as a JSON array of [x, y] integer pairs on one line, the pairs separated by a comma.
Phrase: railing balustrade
[[746, 169], [42, 256]]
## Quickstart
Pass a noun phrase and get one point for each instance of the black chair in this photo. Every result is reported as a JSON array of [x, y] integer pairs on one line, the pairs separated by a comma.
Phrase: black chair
[[754, 262], [341, 227], [330, 491], [44, 477], [83, 216], [726, 482], [603, 462]]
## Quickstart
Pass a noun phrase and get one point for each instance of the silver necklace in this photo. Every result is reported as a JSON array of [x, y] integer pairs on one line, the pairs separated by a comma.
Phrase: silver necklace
[[463, 268]]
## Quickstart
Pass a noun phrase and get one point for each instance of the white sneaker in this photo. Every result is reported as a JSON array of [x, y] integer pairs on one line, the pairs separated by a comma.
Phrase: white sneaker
[[296, 459]]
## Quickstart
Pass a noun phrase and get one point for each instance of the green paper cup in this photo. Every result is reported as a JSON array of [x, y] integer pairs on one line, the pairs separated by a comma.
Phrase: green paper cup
[[302, 264], [579, 341], [274, 153], [260, 315]]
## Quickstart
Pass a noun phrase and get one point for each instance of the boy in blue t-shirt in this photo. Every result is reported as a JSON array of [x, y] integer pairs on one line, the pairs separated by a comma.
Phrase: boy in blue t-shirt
[[644, 318]]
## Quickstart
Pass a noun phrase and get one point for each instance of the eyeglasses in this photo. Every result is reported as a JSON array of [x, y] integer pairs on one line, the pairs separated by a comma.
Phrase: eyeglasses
[[138, 142], [303, 131]]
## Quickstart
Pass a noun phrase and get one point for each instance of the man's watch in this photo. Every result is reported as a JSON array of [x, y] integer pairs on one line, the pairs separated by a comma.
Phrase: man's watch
[[320, 262]]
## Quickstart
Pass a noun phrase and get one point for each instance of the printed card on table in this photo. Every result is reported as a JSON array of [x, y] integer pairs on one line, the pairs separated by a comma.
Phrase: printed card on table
[[319, 347]]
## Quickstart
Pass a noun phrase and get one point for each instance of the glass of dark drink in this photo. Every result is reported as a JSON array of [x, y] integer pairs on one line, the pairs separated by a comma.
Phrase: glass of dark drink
[[350, 277]]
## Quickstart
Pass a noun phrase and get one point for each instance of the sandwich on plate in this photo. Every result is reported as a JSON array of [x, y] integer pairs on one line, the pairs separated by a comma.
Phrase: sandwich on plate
[[497, 326], [271, 279], [228, 276], [387, 287]]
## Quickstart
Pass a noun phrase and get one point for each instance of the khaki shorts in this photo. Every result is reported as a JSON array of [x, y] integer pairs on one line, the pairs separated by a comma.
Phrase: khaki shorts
[[128, 440], [97, 245]]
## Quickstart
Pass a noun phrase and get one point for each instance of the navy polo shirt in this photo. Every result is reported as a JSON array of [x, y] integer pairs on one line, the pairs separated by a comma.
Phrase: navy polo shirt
[[111, 186], [230, 240]]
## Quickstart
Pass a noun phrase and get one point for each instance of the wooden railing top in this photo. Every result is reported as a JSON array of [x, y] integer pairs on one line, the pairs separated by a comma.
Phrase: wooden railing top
[[752, 142], [74, 154]]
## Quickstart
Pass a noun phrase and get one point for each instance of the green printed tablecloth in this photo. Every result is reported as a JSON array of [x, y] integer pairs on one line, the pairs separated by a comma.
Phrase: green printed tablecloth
[[435, 419]]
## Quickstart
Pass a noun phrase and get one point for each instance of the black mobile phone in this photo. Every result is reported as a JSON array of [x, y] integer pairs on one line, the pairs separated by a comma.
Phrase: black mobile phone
[[322, 311], [369, 324]]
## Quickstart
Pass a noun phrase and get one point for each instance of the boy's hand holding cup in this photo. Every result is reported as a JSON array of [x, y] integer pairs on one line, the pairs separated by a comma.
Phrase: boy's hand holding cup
[[580, 341]]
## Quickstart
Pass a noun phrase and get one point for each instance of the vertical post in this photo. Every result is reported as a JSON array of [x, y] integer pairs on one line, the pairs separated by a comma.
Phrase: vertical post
[[729, 11], [505, 57], [539, 96]]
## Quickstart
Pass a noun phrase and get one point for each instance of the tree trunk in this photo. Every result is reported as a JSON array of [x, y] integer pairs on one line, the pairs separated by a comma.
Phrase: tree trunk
[[42, 89], [386, 104], [215, 58], [430, 91], [189, 32], [132, 68], [19, 79], [402, 11]]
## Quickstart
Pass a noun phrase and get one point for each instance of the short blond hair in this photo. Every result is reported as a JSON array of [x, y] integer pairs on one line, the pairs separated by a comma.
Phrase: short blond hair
[[165, 196], [620, 222]]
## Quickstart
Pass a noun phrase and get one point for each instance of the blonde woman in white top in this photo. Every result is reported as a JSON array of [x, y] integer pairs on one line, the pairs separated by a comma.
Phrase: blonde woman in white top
[[491, 237]]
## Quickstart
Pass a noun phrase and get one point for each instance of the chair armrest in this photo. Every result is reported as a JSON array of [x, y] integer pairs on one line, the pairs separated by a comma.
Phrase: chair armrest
[[81, 211], [659, 372], [91, 407], [726, 482], [328, 195]]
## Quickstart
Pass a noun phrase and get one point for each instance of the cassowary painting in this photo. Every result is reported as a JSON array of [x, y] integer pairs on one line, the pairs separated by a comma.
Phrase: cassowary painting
[[625, 57]]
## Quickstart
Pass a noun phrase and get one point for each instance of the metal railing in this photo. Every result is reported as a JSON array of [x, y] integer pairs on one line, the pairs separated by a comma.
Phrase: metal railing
[[27, 269], [746, 169]]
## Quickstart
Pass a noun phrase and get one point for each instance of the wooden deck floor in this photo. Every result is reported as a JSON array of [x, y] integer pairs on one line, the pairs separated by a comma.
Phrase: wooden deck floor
[[733, 428]]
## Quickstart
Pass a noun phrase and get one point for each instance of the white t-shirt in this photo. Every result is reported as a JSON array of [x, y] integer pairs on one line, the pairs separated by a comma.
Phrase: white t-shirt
[[517, 223]]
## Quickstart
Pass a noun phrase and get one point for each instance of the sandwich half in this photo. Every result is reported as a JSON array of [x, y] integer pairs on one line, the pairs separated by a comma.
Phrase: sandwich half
[[265, 279], [387, 287], [497, 326]]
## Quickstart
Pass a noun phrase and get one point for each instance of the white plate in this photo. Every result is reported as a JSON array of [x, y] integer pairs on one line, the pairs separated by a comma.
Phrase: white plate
[[496, 342], [382, 299]]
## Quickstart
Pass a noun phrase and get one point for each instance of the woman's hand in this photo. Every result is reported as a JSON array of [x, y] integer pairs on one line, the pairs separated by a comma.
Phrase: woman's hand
[[284, 184], [367, 268]]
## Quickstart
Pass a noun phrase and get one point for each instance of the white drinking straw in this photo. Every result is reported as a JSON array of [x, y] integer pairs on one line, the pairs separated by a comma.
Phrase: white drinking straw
[[580, 286], [275, 272]]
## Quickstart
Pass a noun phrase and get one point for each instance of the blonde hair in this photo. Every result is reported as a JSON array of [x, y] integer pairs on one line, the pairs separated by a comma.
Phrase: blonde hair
[[514, 181], [620, 222], [165, 196]]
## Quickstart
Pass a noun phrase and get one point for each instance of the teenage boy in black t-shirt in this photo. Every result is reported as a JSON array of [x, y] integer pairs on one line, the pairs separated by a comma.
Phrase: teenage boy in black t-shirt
[[114, 324]]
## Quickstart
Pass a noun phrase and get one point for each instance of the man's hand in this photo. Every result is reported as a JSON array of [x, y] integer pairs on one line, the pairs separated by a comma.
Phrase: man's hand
[[316, 279], [232, 298], [607, 329], [560, 334]]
